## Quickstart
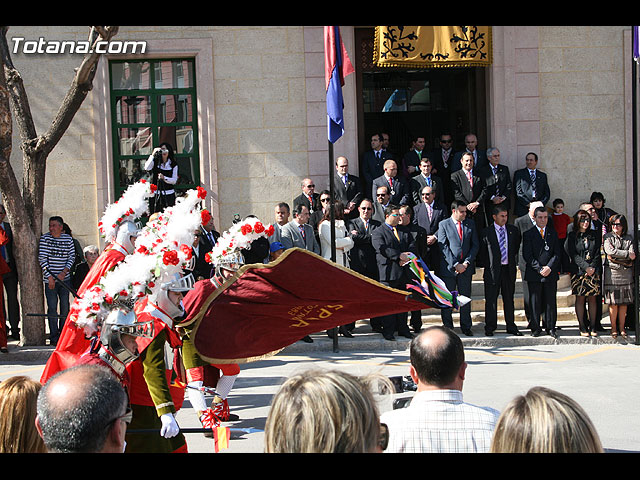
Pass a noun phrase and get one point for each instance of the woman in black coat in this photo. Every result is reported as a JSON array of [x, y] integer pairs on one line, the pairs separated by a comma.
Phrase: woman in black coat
[[583, 247]]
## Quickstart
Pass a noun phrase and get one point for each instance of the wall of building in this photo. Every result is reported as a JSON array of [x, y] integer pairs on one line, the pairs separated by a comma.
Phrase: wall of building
[[582, 113]]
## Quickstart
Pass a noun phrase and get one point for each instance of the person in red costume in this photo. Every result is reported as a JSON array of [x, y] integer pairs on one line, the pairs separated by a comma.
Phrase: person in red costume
[[120, 231], [251, 246], [156, 389], [116, 345]]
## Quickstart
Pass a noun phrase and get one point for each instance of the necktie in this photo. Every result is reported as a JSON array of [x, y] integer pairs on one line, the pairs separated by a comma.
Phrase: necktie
[[391, 183], [429, 180], [503, 246], [395, 232], [460, 233], [344, 179], [445, 155], [301, 227], [542, 233], [429, 211], [533, 182], [470, 179]]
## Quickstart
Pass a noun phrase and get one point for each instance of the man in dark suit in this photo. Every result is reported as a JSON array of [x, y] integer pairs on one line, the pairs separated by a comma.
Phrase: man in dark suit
[[499, 245], [471, 144], [459, 245], [530, 185], [428, 214], [411, 159], [392, 246], [347, 188], [398, 186], [362, 257], [201, 268], [496, 184], [209, 236], [309, 198], [298, 233], [542, 253], [442, 158], [10, 280], [380, 203], [467, 188], [419, 236], [373, 161], [524, 223], [426, 178]]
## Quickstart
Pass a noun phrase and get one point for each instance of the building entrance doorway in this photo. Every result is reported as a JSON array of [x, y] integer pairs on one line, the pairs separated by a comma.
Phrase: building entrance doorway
[[417, 102]]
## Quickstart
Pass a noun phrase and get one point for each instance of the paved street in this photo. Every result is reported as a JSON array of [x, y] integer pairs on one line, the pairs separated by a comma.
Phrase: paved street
[[600, 375]]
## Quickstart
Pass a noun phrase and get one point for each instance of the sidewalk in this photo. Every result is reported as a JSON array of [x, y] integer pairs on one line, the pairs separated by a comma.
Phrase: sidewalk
[[364, 340]]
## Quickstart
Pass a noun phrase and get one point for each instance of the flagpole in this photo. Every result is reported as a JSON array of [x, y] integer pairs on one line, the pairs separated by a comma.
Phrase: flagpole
[[634, 142], [333, 229]]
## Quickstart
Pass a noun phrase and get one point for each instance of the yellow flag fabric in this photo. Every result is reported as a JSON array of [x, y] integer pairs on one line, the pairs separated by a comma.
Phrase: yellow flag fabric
[[221, 437], [432, 46]]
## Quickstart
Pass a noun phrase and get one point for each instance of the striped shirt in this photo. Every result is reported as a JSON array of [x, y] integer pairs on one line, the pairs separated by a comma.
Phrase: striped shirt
[[438, 421], [56, 254]]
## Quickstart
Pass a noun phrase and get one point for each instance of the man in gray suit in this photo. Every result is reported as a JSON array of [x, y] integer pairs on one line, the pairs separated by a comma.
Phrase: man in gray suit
[[282, 213], [459, 245], [298, 233]]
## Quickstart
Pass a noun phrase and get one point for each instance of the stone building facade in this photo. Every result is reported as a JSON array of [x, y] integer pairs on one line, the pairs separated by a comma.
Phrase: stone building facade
[[562, 92]]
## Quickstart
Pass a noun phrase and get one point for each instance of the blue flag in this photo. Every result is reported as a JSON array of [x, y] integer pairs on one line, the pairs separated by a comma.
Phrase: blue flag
[[337, 67]]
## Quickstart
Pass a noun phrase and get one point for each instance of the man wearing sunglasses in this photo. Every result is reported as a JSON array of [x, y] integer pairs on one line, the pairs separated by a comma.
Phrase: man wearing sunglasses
[[83, 409]]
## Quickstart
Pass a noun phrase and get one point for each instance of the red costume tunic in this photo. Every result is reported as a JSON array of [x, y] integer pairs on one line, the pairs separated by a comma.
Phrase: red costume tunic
[[72, 342]]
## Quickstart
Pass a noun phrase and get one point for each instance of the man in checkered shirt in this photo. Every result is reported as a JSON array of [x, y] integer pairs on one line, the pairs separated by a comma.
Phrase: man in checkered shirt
[[437, 420]]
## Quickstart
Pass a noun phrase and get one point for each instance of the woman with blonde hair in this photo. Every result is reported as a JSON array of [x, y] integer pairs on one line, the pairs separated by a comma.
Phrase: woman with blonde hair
[[545, 421], [325, 412], [18, 400]]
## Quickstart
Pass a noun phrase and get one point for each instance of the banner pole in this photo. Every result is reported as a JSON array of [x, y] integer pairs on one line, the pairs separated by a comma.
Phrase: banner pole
[[333, 228], [634, 142]]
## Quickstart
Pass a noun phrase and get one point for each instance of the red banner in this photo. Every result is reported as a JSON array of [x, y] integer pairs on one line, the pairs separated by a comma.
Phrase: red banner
[[264, 308]]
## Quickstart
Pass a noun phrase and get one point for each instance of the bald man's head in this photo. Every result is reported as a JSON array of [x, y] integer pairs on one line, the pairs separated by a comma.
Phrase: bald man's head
[[437, 356], [77, 408]]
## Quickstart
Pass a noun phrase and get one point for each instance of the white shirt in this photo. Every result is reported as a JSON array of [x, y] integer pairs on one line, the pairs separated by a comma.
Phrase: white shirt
[[438, 421]]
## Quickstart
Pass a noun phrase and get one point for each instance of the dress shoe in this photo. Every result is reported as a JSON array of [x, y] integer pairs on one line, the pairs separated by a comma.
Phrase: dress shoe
[[15, 336], [344, 331], [536, 333], [4, 350], [467, 332], [406, 334], [517, 333], [307, 339], [389, 337], [553, 334], [488, 334]]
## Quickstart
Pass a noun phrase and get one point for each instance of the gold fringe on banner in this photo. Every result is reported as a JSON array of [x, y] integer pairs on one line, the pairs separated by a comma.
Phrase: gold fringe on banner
[[432, 46]]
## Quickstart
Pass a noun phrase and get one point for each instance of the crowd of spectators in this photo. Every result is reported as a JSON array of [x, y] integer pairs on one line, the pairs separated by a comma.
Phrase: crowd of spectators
[[459, 211]]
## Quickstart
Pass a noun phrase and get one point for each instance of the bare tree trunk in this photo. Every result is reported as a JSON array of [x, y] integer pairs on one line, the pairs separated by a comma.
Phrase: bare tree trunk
[[24, 205]]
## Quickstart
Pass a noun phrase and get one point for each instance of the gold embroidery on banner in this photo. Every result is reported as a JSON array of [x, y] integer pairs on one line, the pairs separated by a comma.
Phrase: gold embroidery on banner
[[432, 46]]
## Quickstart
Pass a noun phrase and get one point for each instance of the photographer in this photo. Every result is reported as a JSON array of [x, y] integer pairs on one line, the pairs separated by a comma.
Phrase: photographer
[[164, 175]]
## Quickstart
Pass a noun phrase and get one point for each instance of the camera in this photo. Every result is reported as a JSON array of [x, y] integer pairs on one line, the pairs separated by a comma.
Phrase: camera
[[157, 156], [401, 385]]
